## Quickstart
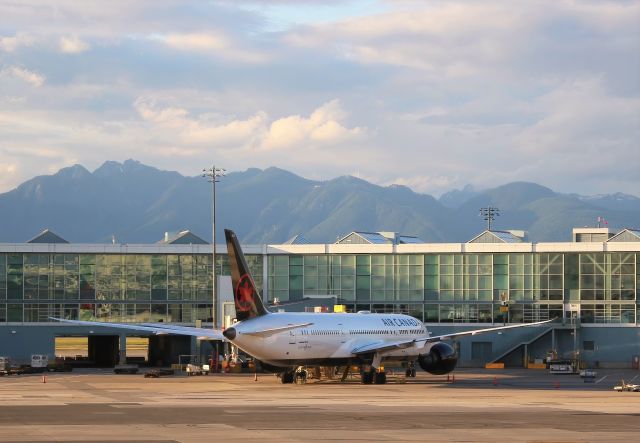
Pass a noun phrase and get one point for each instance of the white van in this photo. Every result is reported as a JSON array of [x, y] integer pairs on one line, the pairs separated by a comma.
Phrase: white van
[[39, 362]]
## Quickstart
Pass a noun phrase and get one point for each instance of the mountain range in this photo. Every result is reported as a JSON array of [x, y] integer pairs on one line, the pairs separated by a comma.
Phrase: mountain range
[[138, 203]]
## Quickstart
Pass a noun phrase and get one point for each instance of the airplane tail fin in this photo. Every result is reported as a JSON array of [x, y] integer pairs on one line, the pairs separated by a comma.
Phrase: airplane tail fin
[[245, 293]]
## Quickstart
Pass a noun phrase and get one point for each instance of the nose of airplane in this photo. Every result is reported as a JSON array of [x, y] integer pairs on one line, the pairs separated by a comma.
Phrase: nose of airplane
[[229, 333]]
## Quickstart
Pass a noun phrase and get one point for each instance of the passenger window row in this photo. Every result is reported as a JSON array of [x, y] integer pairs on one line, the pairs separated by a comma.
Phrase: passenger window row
[[319, 332]]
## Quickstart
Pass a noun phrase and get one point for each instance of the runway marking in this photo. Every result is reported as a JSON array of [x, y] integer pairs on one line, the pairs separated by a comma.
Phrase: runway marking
[[602, 379]]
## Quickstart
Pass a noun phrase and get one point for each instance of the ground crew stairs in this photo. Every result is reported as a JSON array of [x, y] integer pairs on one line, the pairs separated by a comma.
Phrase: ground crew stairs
[[529, 348]]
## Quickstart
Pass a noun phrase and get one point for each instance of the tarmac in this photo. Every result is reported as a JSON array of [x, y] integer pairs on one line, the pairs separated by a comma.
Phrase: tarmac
[[480, 405]]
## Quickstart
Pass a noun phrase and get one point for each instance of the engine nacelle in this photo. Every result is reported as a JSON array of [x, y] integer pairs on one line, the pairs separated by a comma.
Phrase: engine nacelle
[[441, 360]]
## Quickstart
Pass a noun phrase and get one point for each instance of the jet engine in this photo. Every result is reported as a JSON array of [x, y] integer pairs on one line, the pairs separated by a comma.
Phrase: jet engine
[[440, 360]]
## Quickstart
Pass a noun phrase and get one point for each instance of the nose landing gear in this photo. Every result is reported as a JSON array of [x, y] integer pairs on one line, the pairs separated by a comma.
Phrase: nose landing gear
[[410, 371]]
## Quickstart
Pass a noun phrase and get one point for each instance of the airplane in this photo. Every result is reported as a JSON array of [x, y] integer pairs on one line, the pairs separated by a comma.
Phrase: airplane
[[626, 387], [285, 341]]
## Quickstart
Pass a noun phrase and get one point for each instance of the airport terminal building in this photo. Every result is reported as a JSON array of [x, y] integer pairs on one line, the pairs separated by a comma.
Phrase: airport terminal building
[[590, 284]]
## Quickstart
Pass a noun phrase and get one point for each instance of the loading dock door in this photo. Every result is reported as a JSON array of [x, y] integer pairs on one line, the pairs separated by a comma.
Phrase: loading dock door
[[103, 350], [166, 349]]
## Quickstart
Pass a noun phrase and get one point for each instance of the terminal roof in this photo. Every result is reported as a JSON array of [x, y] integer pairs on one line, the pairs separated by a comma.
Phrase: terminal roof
[[47, 236], [496, 237], [626, 235], [185, 237]]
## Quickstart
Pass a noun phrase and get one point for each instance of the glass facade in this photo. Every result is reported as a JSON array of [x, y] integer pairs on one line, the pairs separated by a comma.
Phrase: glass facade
[[468, 288], [596, 287], [111, 287]]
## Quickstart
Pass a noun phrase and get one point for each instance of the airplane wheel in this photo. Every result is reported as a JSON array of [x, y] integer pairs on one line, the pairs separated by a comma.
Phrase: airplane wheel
[[407, 373], [287, 378], [380, 378], [367, 377], [413, 372], [301, 376]]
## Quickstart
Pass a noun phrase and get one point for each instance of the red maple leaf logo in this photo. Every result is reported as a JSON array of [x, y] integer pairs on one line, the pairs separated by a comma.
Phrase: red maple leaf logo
[[244, 294]]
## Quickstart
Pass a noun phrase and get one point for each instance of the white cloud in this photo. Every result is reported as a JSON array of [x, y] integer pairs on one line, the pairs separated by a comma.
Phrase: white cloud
[[577, 115], [72, 45], [170, 116], [323, 127], [30, 77], [235, 132], [196, 41], [10, 44], [581, 124], [9, 173], [441, 36], [480, 40], [212, 42], [200, 131]]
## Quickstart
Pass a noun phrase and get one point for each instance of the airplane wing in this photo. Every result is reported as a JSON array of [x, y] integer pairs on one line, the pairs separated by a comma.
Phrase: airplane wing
[[482, 331], [201, 333], [155, 328], [381, 345]]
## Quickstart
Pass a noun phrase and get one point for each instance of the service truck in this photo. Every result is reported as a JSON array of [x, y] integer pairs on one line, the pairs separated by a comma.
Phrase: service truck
[[39, 363], [5, 365]]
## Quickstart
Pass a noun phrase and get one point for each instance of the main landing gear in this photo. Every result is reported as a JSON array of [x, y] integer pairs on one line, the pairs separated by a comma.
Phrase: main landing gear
[[287, 377], [372, 376], [294, 376]]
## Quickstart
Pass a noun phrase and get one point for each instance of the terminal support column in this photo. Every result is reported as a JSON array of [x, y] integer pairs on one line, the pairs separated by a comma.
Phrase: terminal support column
[[123, 349]]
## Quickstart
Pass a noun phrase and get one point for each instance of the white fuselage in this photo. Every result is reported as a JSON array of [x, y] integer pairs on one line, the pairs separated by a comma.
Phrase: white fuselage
[[330, 338]]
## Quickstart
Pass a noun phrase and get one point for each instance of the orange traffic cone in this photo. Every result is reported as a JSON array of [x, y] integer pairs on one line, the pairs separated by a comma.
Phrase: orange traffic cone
[[44, 379]]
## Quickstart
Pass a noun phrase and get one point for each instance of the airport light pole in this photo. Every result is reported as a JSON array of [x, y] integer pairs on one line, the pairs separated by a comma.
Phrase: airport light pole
[[212, 175], [489, 214]]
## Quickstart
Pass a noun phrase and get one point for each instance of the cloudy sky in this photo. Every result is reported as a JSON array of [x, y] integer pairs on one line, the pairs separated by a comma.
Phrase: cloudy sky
[[431, 94]]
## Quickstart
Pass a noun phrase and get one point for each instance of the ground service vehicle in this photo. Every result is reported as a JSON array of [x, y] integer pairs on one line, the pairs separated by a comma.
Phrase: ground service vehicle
[[626, 387], [39, 363], [5, 365]]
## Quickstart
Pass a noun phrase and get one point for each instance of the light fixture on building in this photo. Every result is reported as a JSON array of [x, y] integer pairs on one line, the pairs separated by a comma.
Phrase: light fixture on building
[[489, 214], [212, 175]]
